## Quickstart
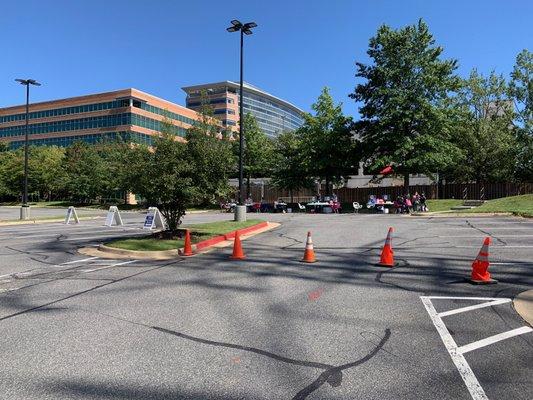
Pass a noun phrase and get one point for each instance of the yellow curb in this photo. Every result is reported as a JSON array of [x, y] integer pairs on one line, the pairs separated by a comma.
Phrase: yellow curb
[[523, 304], [103, 251]]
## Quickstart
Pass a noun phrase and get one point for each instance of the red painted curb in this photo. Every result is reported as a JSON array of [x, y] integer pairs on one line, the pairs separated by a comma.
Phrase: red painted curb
[[244, 231], [217, 239], [209, 242]]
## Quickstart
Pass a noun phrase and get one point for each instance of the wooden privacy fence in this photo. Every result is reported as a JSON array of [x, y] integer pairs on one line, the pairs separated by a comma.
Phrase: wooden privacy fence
[[484, 191], [463, 191]]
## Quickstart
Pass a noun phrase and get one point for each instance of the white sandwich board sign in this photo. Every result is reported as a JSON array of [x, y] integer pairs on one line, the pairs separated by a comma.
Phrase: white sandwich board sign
[[71, 213], [113, 217], [153, 219]]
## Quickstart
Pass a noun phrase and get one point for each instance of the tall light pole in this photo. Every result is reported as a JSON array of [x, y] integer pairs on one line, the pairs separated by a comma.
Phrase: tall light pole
[[25, 209], [244, 29]]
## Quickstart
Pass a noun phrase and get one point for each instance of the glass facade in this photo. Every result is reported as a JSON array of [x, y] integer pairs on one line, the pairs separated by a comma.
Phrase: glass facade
[[92, 138], [66, 111], [102, 121], [272, 117], [165, 113]]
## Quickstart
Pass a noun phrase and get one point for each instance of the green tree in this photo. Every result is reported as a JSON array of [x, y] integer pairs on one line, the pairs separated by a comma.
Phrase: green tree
[[174, 173], [404, 120], [327, 142], [163, 176], [84, 172], [484, 130], [288, 172], [11, 173], [210, 152], [258, 151], [45, 171], [521, 90], [113, 155]]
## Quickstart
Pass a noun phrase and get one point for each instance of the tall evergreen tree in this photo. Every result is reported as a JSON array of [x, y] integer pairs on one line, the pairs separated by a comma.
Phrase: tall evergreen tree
[[404, 120]]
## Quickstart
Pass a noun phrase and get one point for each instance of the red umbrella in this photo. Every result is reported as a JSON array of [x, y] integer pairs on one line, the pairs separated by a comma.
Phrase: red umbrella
[[386, 170]]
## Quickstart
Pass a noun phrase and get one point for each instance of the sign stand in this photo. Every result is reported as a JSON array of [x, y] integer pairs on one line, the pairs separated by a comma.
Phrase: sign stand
[[113, 216], [71, 212], [153, 219]]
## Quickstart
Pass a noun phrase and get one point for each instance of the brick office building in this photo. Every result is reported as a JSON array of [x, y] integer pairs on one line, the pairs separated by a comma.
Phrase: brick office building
[[130, 114]]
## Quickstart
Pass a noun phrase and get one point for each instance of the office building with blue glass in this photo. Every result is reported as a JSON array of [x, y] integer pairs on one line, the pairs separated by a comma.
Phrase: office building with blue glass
[[135, 116], [273, 114]]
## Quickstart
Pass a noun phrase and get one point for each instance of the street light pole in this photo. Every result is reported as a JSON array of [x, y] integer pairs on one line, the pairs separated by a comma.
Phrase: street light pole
[[241, 126], [25, 209], [244, 29]]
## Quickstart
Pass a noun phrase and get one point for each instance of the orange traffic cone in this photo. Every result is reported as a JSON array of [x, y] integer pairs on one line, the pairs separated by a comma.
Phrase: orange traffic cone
[[187, 249], [309, 254], [238, 254], [480, 266], [387, 255]]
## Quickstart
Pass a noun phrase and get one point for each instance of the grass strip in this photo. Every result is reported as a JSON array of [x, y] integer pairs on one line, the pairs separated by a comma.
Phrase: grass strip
[[199, 232]]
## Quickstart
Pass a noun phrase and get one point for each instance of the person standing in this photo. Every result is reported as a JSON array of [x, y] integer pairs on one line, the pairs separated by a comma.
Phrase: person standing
[[416, 202], [423, 205]]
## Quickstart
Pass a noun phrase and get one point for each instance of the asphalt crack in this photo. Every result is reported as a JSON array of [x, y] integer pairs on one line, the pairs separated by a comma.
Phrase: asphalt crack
[[486, 233]]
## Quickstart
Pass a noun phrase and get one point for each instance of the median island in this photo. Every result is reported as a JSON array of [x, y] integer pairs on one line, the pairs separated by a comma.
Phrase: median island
[[199, 233]]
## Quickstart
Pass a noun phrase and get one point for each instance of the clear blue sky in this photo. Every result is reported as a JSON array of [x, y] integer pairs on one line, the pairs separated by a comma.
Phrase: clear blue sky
[[158, 46]]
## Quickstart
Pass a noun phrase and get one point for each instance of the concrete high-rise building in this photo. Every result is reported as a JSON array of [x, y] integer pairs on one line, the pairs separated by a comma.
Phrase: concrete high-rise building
[[273, 114]]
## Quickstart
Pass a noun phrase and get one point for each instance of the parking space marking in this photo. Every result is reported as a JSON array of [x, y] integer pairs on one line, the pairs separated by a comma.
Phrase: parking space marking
[[494, 339], [470, 380], [469, 308], [456, 352], [499, 247], [109, 266], [79, 261], [478, 237]]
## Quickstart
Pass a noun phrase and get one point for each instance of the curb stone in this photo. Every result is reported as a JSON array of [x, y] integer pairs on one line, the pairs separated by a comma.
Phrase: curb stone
[[523, 304], [225, 240]]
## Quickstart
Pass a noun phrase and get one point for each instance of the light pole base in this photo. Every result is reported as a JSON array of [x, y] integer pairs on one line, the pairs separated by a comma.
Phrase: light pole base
[[240, 213], [24, 212]]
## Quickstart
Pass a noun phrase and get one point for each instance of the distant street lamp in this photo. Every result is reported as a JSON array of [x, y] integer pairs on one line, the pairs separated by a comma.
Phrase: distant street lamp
[[25, 210], [245, 29]]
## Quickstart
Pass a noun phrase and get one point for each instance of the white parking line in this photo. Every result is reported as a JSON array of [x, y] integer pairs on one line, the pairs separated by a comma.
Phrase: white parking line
[[475, 307], [470, 380], [511, 263], [493, 339], [500, 247], [481, 236], [109, 266], [456, 352], [79, 261]]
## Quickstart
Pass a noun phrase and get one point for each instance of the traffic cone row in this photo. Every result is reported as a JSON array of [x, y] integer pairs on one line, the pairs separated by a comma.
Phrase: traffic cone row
[[480, 273]]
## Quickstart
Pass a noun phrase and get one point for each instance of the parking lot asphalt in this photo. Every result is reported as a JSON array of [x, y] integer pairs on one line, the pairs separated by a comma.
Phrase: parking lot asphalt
[[269, 327]]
